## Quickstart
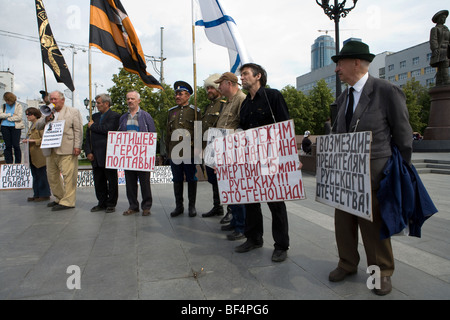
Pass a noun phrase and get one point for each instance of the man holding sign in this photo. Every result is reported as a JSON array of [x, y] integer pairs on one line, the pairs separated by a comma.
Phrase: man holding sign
[[63, 158], [137, 120], [263, 106], [369, 104]]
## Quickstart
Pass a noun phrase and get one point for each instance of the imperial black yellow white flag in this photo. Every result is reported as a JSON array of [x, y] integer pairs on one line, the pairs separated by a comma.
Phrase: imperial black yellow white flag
[[111, 31], [50, 52]]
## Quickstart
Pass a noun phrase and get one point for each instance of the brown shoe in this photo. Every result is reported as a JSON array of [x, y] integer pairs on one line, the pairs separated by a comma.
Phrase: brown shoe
[[339, 274], [41, 199], [130, 212], [31, 199], [385, 286], [146, 212]]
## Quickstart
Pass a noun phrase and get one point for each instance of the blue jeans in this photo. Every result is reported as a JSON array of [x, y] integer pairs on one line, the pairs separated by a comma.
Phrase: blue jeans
[[11, 136], [238, 221]]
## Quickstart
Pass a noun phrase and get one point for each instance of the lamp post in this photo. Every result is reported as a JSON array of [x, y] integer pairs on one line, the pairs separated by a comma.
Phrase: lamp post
[[74, 50], [336, 12]]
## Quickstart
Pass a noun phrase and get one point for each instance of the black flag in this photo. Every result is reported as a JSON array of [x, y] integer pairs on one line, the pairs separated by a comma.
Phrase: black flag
[[50, 52]]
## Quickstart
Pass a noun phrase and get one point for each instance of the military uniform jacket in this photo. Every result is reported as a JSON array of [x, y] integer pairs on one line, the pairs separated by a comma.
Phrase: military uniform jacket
[[181, 118], [211, 114]]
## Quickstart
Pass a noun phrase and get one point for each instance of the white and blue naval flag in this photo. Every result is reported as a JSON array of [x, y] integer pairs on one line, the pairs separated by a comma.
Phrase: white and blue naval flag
[[221, 29]]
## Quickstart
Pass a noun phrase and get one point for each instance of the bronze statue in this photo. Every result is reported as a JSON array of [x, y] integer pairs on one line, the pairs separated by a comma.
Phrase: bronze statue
[[440, 47]]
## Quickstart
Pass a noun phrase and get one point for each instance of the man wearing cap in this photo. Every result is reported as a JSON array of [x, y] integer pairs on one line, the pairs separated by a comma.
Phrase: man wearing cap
[[229, 119], [209, 120], [369, 104], [306, 143], [180, 147], [440, 48]]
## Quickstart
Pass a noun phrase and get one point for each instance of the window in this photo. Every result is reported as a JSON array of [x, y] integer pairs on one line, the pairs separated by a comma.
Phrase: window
[[415, 61], [391, 67], [403, 64]]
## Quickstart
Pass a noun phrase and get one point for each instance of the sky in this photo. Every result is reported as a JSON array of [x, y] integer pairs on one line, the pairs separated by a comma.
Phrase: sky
[[277, 35]]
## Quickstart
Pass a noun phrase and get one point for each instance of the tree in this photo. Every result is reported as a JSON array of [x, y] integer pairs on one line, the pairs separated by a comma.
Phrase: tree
[[299, 108], [418, 104], [320, 99]]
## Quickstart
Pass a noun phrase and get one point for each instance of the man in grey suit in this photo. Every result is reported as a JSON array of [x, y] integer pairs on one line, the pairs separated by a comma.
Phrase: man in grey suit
[[369, 104]]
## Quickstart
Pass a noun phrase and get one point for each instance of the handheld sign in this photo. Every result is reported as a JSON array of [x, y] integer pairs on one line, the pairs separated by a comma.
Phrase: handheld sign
[[343, 172], [53, 133], [131, 150], [259, 165]]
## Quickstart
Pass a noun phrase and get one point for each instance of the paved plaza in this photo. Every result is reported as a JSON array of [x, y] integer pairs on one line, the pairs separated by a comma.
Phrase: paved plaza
[[159, 257]]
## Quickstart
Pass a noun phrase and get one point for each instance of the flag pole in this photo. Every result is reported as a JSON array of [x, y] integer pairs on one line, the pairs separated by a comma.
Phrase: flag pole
[[194, 60], [90, 84]]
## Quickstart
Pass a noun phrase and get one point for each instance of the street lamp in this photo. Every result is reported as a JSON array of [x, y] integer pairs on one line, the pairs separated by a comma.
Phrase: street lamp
[[86, 104], [74, 50], [335, 12]]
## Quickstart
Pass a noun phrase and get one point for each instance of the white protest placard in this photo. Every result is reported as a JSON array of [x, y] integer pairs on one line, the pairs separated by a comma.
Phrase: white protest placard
[[131, 150], [208, 153], [53, 133], [15, 176], [259, 165], [343, 172]]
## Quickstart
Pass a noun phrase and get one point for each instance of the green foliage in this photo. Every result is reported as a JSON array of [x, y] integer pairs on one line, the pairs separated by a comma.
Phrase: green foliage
[[309, 112], [418, 103]]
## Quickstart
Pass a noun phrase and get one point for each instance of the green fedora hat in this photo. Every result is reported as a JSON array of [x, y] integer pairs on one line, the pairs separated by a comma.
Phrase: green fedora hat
[[354, 50]]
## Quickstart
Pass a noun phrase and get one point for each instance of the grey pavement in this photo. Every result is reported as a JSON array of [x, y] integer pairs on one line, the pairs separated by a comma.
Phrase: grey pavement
[[159, 257]]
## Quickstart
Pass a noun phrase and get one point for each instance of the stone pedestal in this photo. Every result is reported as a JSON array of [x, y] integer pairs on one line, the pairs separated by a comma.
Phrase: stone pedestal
[[439, 120]]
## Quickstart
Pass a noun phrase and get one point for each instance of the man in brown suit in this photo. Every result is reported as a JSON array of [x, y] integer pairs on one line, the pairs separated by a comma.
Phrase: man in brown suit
[[369, 104], [63, 160]]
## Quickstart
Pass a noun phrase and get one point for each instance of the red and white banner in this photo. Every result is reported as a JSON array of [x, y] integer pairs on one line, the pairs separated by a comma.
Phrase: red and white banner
[[131, 150], [259, 165]]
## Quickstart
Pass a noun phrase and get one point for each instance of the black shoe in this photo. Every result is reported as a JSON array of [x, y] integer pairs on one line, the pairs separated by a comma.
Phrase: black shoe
[[97, 209], [279, 255], [110, 209], [249, 245], [192, 212], [52, 204], [60, 207], [177, 212], [235, 236], [215, 211], [227, 218], [227, 227]]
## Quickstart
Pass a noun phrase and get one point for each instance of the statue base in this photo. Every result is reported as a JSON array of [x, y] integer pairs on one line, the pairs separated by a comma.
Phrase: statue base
[[439, 120]]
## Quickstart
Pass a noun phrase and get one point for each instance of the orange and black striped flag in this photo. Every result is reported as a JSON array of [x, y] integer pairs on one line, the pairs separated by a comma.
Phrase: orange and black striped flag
[[49, 49], [111, 31]]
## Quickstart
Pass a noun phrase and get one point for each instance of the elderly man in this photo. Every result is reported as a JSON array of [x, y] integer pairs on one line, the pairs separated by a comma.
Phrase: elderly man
[[105, 180], [137, 120], [180, 147], [209, 120], [369, 104], [63, 160]]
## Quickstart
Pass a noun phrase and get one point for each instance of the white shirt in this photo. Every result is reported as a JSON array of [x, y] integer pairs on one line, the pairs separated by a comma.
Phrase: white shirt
[[358, 86]]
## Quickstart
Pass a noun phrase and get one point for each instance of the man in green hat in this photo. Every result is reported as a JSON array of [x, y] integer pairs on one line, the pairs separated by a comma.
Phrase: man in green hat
[[376, 105]]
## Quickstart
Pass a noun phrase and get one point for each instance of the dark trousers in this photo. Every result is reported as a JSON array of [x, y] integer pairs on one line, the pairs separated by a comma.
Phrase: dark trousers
[[254, 223], [11, 136], [106, 186], [131, 180], [184, 169], [41, 188]]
